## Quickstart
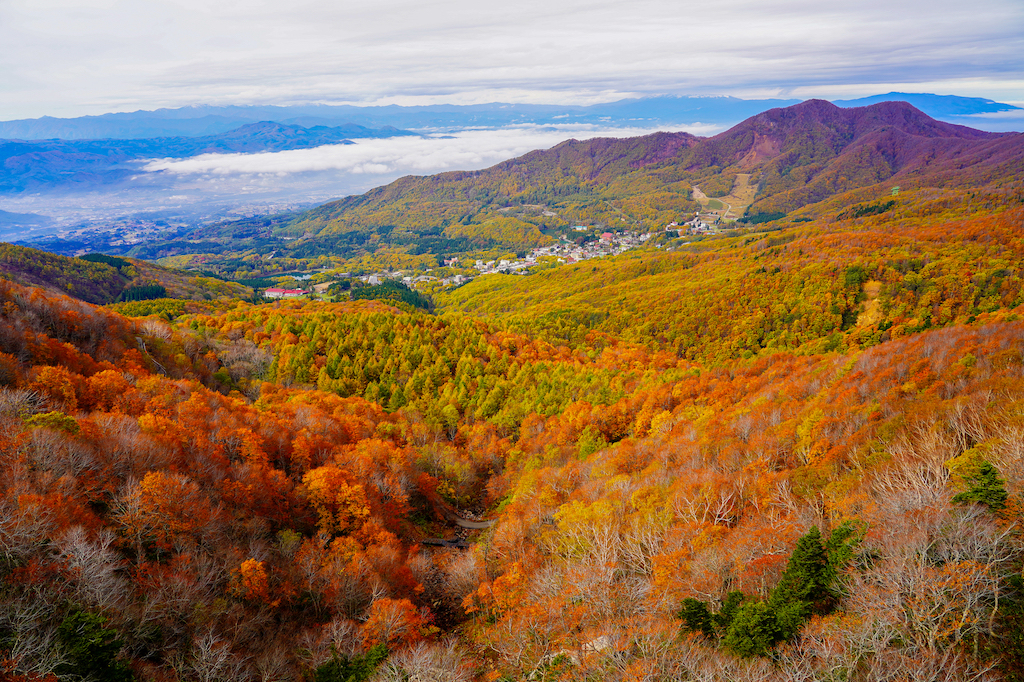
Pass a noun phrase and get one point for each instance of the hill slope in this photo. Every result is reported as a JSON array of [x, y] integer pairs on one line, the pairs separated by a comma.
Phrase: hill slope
[[790, 452], [105, 279], [796, 156], [270, 483], [809, 160]]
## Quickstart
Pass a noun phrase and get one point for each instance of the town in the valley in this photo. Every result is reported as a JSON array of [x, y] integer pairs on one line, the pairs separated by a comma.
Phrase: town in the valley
[[564, 251]]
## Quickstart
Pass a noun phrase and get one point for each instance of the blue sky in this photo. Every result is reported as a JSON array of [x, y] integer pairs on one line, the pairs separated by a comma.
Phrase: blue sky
[[77, 57]]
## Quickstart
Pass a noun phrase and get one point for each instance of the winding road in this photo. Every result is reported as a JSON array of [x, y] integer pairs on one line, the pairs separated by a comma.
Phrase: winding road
[[466, 523], [701, 198]]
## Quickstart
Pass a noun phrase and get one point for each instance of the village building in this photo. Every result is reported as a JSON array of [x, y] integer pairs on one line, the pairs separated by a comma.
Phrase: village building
[[284, 293]]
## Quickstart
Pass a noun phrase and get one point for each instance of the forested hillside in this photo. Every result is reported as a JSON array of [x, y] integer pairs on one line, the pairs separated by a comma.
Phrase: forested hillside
[[790, 452], [800, 155], [930, 258], [101, 279]]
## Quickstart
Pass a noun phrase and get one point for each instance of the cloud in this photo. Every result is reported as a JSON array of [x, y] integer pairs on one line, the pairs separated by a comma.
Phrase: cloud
[[68, 57], [466, 150]]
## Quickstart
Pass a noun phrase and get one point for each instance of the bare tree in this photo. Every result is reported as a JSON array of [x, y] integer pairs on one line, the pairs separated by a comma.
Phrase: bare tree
[[94, 566], [211, 660], [446, 661]]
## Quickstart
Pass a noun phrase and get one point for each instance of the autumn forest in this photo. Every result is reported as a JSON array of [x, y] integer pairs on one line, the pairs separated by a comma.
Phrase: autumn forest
[[788, 450]]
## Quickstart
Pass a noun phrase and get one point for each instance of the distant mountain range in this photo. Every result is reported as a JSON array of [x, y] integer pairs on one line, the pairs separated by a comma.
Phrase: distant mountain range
[[646, 112], [797, 155], [936, 106], [9, 218], [49, 154], [43, 165]]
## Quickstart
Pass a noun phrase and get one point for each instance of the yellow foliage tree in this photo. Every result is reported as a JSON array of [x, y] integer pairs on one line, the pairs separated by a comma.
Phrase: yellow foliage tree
[[339, 501]]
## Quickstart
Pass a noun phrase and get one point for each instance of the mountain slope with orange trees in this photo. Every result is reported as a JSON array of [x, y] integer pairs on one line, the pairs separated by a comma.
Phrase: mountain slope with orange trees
[[786, 452], [605, 558], [279, 530], [177, 518], [932, 258]]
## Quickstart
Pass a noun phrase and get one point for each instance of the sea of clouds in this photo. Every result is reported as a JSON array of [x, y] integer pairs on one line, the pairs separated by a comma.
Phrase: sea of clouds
[[428, 153]]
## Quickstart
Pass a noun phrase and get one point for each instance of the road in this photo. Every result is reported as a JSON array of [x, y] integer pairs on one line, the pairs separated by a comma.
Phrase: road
[[452, 516], [700, 198]]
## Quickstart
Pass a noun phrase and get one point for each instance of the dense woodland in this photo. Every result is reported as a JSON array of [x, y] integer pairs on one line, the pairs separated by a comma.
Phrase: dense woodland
[[789, 453], [97, 278]]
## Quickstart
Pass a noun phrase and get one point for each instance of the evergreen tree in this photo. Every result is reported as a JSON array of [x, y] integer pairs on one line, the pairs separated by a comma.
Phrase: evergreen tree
[[986, 487], [809, 585], [753, 631], [91, 649], [730, 607], [839, 549], [806, 577], [696, 616]]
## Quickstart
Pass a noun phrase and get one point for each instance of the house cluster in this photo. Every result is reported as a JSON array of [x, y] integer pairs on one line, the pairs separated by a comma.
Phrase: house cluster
[[275, 292], [696, 225], [425, 279], [410, 280], [565, 251]]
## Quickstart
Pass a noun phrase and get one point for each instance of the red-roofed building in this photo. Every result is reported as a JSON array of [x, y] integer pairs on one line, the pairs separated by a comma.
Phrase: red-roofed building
[[284, 293]]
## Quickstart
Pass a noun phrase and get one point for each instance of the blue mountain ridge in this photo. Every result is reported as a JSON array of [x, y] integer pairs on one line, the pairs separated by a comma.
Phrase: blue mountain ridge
[[935, 106], [205, 120], [39, 165]]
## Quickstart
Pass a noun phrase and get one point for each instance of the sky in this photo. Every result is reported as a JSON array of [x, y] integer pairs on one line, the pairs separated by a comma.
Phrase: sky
[[70, 58]]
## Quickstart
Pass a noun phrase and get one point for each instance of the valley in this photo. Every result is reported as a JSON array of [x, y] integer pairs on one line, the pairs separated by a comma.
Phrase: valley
[[785, 446]]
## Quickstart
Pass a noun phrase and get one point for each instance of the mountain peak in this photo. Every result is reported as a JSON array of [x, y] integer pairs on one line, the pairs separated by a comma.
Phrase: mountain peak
[[265, 126], [853, 123]]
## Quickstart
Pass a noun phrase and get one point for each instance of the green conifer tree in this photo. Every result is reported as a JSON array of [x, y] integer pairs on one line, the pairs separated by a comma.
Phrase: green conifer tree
[[696, 616], [986, 488], [91, 650], [806, 576]]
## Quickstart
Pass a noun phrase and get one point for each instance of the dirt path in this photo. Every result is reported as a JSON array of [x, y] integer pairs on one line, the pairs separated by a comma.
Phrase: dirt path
[[474, 525], [453, 516], [461, 522], [735, 203], [871, 314]]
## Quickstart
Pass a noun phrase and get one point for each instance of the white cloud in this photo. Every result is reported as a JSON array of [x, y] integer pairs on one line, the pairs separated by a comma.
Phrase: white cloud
[[466, 150], [69, 57]]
